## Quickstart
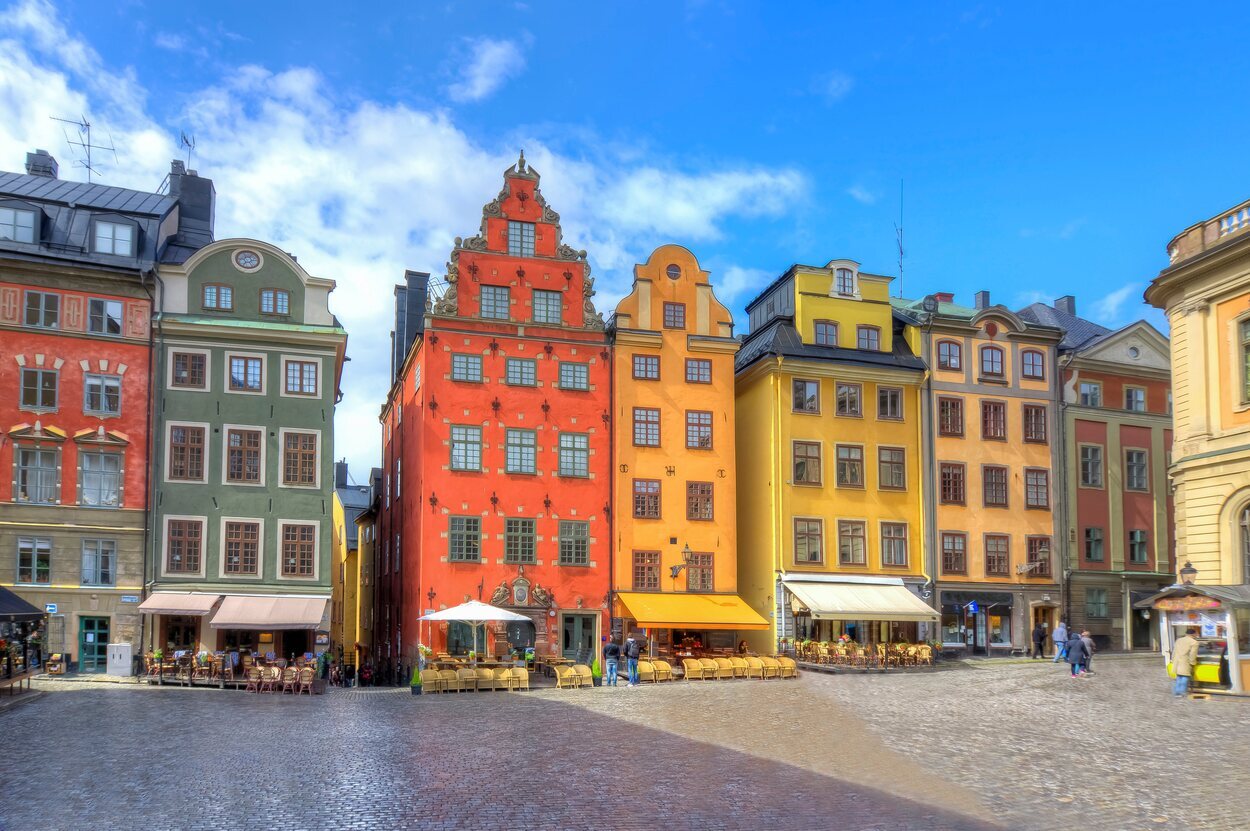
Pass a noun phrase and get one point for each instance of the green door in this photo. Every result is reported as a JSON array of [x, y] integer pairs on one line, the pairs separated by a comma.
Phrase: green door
[[93, 644], [579, 638]]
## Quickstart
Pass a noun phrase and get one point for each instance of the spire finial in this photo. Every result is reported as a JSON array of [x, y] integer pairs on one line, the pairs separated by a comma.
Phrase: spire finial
[[520, 165]]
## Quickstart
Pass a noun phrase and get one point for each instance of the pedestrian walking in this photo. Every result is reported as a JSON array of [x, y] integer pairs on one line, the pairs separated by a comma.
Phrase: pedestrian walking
[[1184, 656], [1088, 640], [1075, 653], [1039, 640], [611, 657], [1061, 641], [632, 650]]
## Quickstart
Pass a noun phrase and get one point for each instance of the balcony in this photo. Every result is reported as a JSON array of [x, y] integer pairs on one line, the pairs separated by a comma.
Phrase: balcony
[[1206, 235]]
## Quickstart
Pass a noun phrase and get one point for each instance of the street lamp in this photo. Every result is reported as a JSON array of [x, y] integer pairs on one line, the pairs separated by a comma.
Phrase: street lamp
[[686, 556], [1188, 573]]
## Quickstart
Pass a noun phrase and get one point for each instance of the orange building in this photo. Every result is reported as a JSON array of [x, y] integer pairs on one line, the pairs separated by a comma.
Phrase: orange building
[[675, 546]]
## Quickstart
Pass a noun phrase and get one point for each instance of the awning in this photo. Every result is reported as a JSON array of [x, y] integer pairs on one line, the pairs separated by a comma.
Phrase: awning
[[681, 610], [244, 612], [860, 601], [195, 604], [13, 609]]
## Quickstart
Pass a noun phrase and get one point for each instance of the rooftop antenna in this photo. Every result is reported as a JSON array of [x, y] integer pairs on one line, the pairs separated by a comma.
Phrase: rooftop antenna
[[84, 143], [898, 233], [187, 142]]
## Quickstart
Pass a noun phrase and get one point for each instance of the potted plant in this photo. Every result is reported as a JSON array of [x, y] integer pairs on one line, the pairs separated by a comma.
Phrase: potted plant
[[596, 673], [416, 681]]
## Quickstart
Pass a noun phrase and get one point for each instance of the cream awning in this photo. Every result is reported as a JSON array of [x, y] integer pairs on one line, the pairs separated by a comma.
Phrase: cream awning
[[860, 601], [245, 612], [195, 604]]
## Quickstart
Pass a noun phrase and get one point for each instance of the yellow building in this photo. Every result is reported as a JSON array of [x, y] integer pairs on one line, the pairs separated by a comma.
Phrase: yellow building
[[366, 538], [830, 490], [349, 502], [991, 447], [676, 546]]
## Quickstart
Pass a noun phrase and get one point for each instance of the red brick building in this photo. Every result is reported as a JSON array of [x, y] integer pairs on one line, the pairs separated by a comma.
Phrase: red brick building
[[496, 442]]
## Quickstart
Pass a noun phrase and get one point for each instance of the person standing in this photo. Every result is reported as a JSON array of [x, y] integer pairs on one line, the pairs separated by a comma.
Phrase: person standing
[[1075, 654], [1088, 640], [1039, 640], [1184, 657], [1061, 641], [632, 650], [611, 657]]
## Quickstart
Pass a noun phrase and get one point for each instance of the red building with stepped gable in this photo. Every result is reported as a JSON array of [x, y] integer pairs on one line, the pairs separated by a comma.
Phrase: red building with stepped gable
[[497, 443]]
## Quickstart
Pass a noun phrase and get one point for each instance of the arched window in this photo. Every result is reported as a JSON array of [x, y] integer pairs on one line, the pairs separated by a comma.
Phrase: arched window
[[950, 355], [1033, 364], [991, 361], [1243, 527]]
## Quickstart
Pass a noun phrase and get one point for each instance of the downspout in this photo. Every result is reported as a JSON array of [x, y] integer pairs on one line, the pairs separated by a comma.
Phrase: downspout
[[1061, 407], [928, 460], [779, 531], [156, 347], [613, 484]]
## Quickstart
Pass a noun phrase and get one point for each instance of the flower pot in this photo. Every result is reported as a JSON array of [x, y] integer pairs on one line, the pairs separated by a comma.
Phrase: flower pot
[[415, 690], [597, 681]]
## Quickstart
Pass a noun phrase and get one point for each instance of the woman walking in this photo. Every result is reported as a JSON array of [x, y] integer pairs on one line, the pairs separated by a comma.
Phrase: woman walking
[[1077, 654]]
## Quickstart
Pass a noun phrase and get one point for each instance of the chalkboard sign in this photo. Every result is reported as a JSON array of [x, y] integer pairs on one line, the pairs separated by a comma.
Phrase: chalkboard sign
[[618, 626]]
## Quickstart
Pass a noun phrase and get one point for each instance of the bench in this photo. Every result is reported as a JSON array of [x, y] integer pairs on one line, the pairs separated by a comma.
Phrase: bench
[[16, 681]]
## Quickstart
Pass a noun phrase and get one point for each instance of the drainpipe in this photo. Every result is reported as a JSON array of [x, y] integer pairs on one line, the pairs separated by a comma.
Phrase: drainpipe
[[613, 484], [779, 531], [155, 420], [1062, 519], [928, 458]]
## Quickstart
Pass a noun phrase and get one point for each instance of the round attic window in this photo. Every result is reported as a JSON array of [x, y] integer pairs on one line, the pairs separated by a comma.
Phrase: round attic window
[[246, 260], [673, 272], [1134, 352]]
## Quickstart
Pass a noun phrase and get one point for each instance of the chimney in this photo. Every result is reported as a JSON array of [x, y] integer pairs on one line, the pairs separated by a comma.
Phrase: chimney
[[982, 300], [340, 474], [1066, 304], [944, 297], [197, 200], [41, 163], [409, 316]]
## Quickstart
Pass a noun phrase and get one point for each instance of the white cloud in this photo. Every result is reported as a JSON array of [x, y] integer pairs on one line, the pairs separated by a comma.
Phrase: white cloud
[[487, 64], [1110, 311], [834, 86], [735, 283], [862, 195], [359, 191], [170, 41]]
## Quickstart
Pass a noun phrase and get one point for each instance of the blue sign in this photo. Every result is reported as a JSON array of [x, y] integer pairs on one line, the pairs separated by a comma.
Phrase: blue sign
[[130, 598], [973, 608], [50, 608]]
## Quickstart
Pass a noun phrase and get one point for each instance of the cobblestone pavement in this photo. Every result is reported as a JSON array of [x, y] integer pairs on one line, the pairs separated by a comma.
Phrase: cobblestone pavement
[[1004, 746]]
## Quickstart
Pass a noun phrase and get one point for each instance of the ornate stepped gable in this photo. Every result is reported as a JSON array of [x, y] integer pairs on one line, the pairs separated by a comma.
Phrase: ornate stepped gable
[[448, 304]]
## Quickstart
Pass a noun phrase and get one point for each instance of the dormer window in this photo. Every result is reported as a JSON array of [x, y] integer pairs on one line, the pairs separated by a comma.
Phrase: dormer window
[[520, 238], [218, 297], [114, 238], [275, 302], [17, 225], [844, 281]]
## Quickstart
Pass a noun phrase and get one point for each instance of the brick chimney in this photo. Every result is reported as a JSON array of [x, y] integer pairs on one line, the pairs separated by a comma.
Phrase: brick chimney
[[1066, 304], [41, 163], [340, 474], [982, 300], [944, 297], [197, 201]]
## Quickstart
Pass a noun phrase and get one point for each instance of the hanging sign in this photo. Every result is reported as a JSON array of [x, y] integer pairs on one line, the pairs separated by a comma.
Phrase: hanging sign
[[1187, 603]]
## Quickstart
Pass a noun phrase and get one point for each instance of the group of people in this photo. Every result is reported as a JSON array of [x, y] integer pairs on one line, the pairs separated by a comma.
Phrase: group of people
[[612, 654], [1077, 648]]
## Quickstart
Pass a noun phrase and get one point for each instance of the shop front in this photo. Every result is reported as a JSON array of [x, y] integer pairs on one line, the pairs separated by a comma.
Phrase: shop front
[[863, 610], [677, 625], [271, 626], [19, 625], [1221, 614], [977, 622]]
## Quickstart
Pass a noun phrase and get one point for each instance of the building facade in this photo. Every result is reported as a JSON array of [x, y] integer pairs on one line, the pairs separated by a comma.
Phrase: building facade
[[350, 501], [830, 489], [497, 443]]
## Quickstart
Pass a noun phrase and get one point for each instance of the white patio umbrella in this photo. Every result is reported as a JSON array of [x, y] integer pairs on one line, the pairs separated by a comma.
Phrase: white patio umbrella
[[474, 613]]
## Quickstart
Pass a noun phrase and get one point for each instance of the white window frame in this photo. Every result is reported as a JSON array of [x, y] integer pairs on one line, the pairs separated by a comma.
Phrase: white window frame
[[176, 575], [264, 373], [16, 226], [208, 444], [208, 368], [103, 378], [264, 454], [302, 359], [132, 233], [282, 433], [260, 549], [316, 575]]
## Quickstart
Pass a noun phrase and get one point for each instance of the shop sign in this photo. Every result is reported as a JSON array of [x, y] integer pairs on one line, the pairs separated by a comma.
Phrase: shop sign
[[1186, 604]]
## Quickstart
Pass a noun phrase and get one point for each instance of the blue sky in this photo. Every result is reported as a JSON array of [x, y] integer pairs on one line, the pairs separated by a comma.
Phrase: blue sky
[[1042, 151]]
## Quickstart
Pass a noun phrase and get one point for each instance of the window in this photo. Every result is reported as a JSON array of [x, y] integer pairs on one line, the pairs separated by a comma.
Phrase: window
[[246, 374], [868, 338], [889, 403], [826, 333], [893, 544], [466, 448], [891, 468], [299, 550], [698, 371], [850, 466], [851, 543], [548, 306], [102, 394], [34, 560], [574, 454], [464, 539], [951, 477], [496, 302], [950, 355], [574, 376], [521, 372], [955, 553], [1033, 364], [950, 416], [1039, 553], [520, 238], [994, 486], [518, 541], [698, 430], [1135, 399], [1091, 466], [99, 562], [674, 315], [646, 499], [38, 389], [104, 317], [1035, 423], [113, 238], [699, 500], [1093, 545], [991, 361], [1136, 471], [699, 573], [646, 427], [1137, 546], [1091, 394], [43, 310], [186, 452], [301, 378], [17, 225], [997, 555], [646, 571], [806, 396], [520, 451], [1096, 602], [182, 552], [275, 302], [299, 459], [647, 367], [806, 462], [466, 368], [574, 543], [218, 297], [242, 549], [844, 281], [1037, 488], [190, 370], [243, 456], [994, 420], [849, 400], [809, 540], [99, 479]]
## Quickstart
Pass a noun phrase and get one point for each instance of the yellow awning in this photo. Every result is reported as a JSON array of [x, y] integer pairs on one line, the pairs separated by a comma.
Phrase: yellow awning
[[860, 601], [681, 610]]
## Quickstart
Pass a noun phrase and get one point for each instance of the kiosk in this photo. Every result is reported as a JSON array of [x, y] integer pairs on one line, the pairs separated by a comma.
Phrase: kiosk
[[1221, 614]]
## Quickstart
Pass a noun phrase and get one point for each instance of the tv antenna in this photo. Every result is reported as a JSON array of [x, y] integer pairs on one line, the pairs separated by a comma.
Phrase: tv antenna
[[187, 142], [84, 143], [898, 234]]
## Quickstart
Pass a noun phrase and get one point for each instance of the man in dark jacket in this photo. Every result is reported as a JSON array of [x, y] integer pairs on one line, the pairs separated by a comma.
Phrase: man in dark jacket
[[632, 650], [611, 657], [1039, 640], [1077, 654]]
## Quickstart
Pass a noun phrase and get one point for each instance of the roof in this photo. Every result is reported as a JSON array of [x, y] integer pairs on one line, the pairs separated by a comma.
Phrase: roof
[[946, 309], [1077, 331], [355, 500], [1236, 596], [780, 338], [84, 194]]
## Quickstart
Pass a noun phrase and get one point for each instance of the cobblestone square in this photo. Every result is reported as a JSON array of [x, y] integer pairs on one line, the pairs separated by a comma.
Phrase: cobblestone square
[[1014, 746]]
